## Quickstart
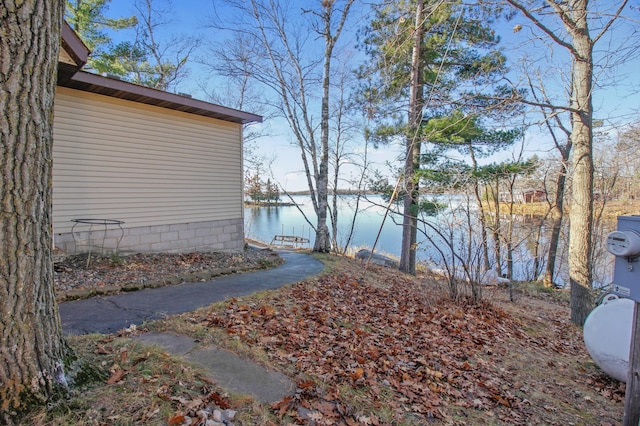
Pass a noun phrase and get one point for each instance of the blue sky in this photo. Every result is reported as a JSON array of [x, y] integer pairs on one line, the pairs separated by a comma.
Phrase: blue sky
[[190, 17], [617, 104]]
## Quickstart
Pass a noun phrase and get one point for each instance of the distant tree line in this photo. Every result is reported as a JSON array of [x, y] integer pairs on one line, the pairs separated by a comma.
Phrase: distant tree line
[[261, 191]]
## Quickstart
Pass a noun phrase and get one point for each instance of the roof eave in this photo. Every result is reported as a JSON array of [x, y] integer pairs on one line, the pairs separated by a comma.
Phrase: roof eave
[[74, 46], [95, 83]]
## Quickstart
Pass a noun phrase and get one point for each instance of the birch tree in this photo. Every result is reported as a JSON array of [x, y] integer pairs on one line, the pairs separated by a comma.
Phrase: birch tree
[[285, 61]]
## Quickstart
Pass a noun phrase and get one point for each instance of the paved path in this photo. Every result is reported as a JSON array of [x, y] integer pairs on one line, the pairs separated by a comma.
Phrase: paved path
[[111, 313]]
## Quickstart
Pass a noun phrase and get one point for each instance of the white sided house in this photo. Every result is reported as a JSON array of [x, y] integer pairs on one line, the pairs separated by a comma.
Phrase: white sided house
[[139, 169]]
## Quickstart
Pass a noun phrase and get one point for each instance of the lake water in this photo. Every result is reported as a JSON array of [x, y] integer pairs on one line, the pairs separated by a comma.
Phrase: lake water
[[263, 223]]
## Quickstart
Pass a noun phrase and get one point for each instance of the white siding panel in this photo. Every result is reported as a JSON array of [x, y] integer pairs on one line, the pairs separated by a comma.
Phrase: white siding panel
[[145, 165]]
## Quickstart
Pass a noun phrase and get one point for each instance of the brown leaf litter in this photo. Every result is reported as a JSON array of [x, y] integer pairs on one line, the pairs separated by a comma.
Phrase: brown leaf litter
[[391, 345], [77, 277]]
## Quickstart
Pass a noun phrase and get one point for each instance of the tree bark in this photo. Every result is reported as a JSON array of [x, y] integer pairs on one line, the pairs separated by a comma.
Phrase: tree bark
[[33, 351], [581, 215], [413, 144], [323, 240], [482, 214], [556, 224]]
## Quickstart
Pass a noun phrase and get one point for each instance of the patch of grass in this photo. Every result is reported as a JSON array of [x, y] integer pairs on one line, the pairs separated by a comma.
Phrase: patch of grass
[[116, 259], [269, 263], [538, 289], [329, 261], [153, 387], [359, 401], [256, 414]]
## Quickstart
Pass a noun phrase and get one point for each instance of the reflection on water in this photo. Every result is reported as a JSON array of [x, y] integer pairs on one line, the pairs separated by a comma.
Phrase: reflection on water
[[263, 223]]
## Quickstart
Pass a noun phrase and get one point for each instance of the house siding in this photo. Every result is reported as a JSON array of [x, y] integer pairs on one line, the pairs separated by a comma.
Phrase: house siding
[[160, 171]]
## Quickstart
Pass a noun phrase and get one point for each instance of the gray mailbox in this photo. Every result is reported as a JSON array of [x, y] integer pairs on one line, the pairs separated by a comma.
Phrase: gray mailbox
[[624, 243]]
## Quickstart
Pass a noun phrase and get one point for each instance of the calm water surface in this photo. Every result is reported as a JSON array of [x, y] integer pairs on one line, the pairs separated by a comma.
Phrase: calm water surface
[[263, 223]]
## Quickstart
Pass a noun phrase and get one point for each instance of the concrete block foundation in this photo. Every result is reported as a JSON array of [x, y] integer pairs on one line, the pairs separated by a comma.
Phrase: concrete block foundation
[[216, 235]]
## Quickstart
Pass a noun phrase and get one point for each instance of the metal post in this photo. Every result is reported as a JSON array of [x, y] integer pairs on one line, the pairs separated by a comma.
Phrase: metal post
[[632, 395]]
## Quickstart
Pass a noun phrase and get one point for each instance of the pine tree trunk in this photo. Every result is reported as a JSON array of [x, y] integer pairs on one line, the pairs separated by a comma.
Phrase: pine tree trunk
[[33, 348], [413, 143], [495, 230], [581, 216], [482, 214]]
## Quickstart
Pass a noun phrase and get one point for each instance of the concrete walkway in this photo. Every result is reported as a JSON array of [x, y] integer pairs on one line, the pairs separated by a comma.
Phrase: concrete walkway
[[109, 314], [227, 369]]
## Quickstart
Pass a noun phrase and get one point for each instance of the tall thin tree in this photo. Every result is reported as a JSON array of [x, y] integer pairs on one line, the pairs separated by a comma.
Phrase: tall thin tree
[[283, 63], [578, 39], [412, 146]]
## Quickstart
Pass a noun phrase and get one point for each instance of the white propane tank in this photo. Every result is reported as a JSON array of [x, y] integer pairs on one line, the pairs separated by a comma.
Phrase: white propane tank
[[607, 335]]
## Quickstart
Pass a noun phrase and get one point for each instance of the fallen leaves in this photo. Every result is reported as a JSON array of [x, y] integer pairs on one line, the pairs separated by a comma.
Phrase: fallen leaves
[[384, 340], [422, 361], [364, 347], [116, 376], [357, 374], [177, 419]]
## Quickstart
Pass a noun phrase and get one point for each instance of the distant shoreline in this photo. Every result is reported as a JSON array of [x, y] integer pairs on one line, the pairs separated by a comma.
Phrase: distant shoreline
[[267, 204]]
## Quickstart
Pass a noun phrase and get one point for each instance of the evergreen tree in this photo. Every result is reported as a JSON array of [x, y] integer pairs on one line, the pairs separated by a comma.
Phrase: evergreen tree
[[254, 187], [272, 193], [142, 60], [87, 18], [467, 135], [427, 59]]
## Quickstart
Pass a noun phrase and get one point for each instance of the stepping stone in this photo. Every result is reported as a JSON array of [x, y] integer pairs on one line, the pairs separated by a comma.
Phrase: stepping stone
[[175, 344], [241, 375], [227, 369]]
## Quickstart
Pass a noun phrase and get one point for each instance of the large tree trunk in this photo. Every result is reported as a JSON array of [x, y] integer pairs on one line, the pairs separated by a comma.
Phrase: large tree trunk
[[33, 351], [581, 215], [413, 143]]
